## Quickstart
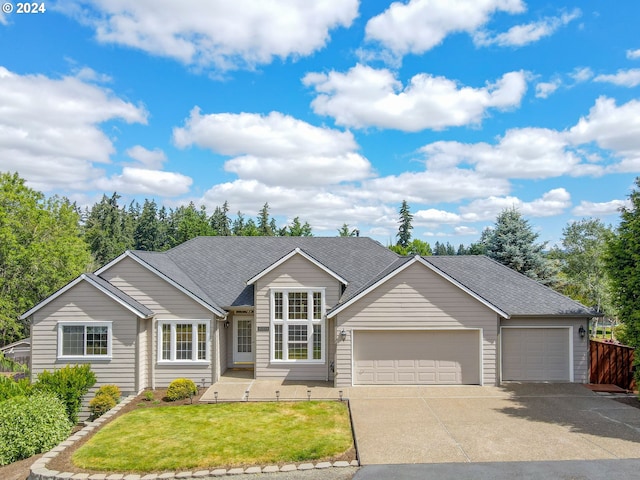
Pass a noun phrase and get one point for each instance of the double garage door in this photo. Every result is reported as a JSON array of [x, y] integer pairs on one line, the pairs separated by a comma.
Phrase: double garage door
[[436, 357]]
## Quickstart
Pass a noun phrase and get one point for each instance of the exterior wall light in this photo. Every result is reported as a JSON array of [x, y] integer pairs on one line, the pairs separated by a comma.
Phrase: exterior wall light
[[582, 331], [226, 324], [343, 334]]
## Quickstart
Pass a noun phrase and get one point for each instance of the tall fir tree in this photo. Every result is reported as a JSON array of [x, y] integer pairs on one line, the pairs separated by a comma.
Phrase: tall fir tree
[[404, 230], [105, 229]]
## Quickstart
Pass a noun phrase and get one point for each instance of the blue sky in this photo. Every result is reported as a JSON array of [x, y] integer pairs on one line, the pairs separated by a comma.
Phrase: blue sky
[[334, 111]]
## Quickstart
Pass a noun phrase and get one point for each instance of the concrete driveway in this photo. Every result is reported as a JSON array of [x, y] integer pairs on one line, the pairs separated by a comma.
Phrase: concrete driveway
[[532, 422]]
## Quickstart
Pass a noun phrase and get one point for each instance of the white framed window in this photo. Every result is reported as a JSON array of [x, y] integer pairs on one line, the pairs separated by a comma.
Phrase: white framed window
[[86, 340], [183, 341], [297, 325]]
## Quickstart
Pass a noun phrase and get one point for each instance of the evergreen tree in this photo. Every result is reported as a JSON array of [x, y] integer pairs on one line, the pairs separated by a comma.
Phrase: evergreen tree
[[461, 250], [512, 243], [404, 230], [264, 226], [238, 225], [297, 229], [105, 230], [250, 229], [41, 249], [622, 260], [220, 221], [147, 232], [345, 231]]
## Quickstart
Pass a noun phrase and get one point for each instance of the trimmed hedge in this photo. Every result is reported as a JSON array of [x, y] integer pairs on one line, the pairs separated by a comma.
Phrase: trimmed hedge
[[31, 425], [181, 388]]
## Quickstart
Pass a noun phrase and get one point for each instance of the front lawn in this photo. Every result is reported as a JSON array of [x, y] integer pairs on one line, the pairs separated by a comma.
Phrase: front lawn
[[219, 435]]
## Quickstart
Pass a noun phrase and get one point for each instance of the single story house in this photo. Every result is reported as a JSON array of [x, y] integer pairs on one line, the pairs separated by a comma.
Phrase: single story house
[[345, 310]]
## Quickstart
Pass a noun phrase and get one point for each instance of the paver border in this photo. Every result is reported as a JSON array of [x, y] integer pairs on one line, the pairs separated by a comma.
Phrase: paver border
[[39, 470]]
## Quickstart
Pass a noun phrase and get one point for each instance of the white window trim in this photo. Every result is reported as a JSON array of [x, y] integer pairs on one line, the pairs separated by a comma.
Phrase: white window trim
[[194, 341], [310, 322], [109, 326]]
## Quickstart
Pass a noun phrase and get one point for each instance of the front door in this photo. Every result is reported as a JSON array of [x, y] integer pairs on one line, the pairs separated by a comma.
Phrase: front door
[[243, 339]]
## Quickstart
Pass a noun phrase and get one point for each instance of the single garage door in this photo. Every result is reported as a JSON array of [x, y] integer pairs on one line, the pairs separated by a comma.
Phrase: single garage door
[[450, 357], [535, 354]]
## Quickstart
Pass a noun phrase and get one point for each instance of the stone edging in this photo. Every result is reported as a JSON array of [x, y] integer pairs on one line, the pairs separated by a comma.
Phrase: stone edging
[[39, 470]]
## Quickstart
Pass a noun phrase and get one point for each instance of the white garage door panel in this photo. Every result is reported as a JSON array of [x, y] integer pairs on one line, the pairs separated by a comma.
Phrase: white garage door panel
[[416, 357], [535, 354]]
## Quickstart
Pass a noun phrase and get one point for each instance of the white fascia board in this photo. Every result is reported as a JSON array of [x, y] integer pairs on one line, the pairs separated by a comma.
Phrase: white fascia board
[[296, 251], [406, 265], [134, 257], [72, 284], [53, 296]]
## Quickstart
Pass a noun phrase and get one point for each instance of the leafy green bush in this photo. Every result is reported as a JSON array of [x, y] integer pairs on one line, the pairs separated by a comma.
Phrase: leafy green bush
[[69, 384], [31, 425], [181, 388], [101, 404], [112, 390], [148, 395], [12, 388]]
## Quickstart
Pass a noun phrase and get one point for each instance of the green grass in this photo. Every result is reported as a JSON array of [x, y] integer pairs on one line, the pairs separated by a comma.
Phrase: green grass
[[225, 434]]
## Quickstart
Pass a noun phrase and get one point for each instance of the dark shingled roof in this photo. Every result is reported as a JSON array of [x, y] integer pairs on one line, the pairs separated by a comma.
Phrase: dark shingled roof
[[116, 292], [510, 291], [216, 270]]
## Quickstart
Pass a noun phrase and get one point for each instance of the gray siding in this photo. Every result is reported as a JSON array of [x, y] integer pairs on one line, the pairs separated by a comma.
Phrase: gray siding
[[294, 273], [168, 303], [83, 303], [417, 299], [580, 345]]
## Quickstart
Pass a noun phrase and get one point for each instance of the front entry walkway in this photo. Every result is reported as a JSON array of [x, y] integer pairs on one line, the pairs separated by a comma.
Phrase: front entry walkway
[[239, 386]]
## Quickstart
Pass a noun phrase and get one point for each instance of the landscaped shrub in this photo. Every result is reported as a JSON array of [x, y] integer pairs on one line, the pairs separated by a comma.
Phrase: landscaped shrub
[[112, 390], [69, 384], [181, 388], [101, 404], [12, 388], [31, 425]]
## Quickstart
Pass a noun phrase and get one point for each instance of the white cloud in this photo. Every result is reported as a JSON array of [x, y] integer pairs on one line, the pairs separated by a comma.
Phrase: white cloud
[[152, 159], [432, 215], [269, 135], [420, 25], [612, 127], [276, 149], [581, 74], [544, 89], [365, 97], [553, 202], [595, 209], [533, 153], [145, 181], [46, 122], [623, 78], [431, 187], [217, 33], [305, 170], [633, 54], [521, 35]]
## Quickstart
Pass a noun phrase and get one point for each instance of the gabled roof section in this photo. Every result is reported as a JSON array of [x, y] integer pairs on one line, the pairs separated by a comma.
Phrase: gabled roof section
[[394, 269], [24, 341], [512, 292], [164, 267], [292, 253], [220, 266], [106, 288]]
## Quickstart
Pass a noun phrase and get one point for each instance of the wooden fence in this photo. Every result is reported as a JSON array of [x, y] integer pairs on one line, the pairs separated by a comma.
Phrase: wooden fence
[[611, 364]]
